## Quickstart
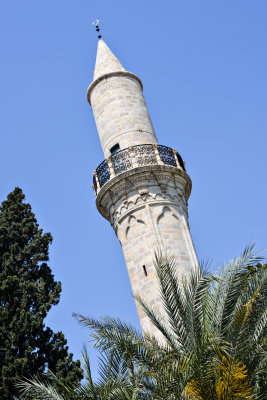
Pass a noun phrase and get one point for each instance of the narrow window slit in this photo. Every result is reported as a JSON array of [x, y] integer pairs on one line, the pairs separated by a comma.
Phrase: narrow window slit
[[144, 269]]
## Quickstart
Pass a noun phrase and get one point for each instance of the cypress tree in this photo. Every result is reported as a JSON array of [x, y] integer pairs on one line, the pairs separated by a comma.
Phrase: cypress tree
[[27, 292]]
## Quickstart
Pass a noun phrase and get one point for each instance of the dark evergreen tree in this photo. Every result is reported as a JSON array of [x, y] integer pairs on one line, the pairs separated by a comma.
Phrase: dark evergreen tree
[[27, 292]]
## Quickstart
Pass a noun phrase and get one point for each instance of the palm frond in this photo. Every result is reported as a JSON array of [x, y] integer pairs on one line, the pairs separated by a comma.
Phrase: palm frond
[[159, 323], [173, 298], [235, 277], [87, 371], [36, 389]]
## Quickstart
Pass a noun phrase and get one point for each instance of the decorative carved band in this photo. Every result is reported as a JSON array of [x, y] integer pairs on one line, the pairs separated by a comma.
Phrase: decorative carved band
[[155, 184]]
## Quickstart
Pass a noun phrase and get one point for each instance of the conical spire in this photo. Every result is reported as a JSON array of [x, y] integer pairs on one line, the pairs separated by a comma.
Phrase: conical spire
[[106, 62]]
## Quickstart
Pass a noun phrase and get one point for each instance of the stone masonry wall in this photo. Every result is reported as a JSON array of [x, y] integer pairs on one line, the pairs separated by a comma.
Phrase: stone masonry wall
[[121, 113], [148, 211]]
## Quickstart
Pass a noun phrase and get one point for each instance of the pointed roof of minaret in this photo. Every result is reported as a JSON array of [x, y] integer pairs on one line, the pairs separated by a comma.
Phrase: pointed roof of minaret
[[106, 62], [107, 65]]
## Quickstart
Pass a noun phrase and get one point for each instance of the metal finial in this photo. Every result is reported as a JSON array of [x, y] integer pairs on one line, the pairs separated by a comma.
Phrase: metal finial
[[96, 23]]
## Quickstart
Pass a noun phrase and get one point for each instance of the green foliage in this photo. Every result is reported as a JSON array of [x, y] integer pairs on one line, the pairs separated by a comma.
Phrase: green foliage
[[213, 347], [216, 321], [114, 383], [27, 292]]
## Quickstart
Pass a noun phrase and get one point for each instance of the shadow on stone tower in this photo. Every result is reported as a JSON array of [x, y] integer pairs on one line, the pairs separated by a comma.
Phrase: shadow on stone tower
[[141, 187]]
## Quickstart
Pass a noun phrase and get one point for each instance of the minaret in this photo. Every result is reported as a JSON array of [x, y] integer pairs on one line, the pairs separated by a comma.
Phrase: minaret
[[141, 187]]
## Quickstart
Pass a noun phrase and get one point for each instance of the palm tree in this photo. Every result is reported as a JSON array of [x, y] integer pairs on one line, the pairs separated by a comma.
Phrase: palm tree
[[215, 333], [215, 340], [219, 324]]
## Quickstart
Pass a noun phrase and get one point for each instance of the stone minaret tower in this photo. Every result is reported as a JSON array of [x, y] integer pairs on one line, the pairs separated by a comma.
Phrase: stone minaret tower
[[141, 187]]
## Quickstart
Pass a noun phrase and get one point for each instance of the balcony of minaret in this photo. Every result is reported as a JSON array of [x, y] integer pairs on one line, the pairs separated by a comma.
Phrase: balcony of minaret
[[133, 169], [135, 157]]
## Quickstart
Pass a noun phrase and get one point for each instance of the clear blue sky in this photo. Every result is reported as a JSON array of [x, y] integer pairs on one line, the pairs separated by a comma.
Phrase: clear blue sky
[[203, 65]]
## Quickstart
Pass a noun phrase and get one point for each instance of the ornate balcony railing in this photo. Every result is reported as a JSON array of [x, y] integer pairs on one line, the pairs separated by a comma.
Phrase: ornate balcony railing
[[133, 157]]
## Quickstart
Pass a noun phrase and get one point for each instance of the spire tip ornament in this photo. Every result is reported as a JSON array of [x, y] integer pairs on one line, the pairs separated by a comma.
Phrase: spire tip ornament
[[96, 23]]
